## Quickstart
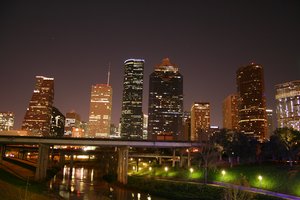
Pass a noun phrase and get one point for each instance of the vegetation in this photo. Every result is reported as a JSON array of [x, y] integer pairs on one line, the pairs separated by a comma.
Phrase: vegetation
[[189, 191]]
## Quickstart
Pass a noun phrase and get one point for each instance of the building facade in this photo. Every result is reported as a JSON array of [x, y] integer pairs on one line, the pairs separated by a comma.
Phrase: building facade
[[37, 119], [251, 101], [200, 121], [132, 113], [288, 104], [230, 112], [270, 123], [73, 120], [165, 107], [57, 127], [6, 121], [100, 111]]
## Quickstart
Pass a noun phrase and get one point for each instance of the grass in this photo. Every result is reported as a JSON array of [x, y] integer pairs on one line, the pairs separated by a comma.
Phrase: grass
[[275, 177]]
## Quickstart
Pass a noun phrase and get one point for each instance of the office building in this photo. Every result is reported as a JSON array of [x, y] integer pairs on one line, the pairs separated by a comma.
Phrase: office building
[[165, 107], [132, 114], [200, 121], [100, 111], [73, 120], [6, 121], [230, 112], [37, 119], [288, 104], [186, 126], [251, 101], [57, 127]]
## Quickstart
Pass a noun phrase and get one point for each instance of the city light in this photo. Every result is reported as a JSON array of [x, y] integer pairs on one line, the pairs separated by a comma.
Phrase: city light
[[150, 168], [223, 173], [260, 179], [191, 170], [166, 169]]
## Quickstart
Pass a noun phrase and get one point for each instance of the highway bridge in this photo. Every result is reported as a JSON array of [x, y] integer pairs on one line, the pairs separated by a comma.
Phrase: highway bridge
[[122, 146]]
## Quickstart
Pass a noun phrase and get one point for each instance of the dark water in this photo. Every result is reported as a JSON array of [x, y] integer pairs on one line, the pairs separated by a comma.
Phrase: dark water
[[84, 182]]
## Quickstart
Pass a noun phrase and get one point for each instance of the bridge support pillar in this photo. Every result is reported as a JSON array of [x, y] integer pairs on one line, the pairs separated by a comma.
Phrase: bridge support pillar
[[189, 158], [61, 158], [159, 160], [2, 152], [122, 164], [181, 162], [173, 157], [42, 162]]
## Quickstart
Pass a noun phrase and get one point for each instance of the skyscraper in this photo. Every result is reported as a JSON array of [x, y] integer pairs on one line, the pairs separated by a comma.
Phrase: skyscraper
[[288, 104], [200, 121], [6, 121], [37, 118], [230, 112], [100, 110], [132, 114], [165, 102], [251, 101]]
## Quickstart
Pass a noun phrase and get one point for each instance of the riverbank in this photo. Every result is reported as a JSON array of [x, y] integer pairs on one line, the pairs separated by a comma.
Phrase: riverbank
[[14, 188], [182, 190]]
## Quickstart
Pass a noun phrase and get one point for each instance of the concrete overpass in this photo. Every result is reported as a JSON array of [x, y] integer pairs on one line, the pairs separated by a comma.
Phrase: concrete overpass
[[122, 146]]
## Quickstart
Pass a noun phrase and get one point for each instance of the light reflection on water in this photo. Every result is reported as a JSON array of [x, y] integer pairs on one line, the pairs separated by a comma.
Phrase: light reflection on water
[[85, 183]]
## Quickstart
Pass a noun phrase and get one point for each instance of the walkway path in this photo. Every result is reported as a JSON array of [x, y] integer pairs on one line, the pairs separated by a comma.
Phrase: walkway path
[[249, 189]]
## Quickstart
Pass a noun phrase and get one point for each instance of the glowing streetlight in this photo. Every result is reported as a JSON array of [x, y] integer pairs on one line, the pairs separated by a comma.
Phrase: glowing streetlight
[[166, 169], [260, 179], [223, 172], [191, 170], [150, 168]]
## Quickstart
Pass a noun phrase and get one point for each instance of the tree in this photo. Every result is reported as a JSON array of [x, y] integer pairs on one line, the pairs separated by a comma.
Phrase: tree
[[208, 159], [290, 141]]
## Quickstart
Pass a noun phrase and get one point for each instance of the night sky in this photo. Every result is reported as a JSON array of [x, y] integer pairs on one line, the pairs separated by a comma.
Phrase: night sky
[[74, 42]]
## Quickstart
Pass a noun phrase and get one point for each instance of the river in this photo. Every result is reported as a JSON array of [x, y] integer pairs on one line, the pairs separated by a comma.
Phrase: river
[[84, 182]]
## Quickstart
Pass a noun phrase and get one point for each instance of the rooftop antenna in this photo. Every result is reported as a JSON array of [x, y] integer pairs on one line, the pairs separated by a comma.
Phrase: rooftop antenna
[[108, 74]]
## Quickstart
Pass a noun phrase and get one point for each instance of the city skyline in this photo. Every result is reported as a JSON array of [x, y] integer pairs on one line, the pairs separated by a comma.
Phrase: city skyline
[[75, 43]]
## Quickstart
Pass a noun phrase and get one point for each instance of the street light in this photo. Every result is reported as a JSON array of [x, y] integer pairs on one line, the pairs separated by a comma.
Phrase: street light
[[191, 170], [260, 179], [223, 172], [166, 169]]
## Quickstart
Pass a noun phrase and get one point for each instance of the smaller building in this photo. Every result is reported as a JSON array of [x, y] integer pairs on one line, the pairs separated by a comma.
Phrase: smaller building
[[200, 121], [57, 126], [6, 121], [288, 104], [230, 112]]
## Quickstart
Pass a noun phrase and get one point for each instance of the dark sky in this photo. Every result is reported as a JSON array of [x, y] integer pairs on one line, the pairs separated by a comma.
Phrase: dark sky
[[73, 42]]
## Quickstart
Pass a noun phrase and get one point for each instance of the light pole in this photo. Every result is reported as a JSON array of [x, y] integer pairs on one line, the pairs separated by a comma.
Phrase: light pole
[[223, 172], [260, 179]]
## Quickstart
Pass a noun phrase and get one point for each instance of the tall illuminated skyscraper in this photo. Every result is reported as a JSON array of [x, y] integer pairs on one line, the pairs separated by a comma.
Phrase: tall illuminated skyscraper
[[230, 112], [37, 118], [251, 101], [100, 110], [288, 104], [6, 121], [165, 109], [132, 114], [200, 121]]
